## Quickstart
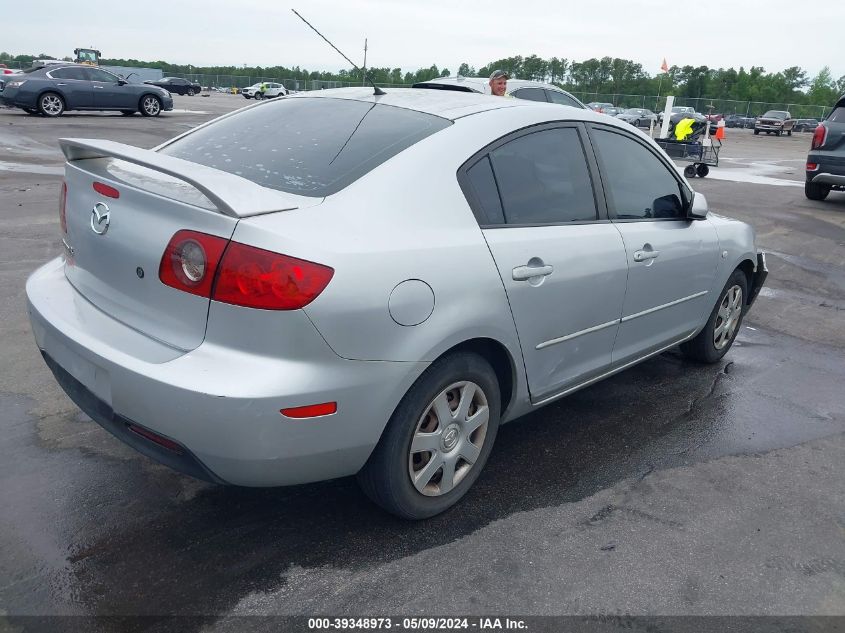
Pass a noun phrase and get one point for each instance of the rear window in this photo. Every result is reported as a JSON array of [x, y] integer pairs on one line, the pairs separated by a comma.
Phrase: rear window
[[308, 146], [838, 115]]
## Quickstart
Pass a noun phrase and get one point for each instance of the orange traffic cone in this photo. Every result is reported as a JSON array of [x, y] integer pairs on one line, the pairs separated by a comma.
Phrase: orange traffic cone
[[720, 130]]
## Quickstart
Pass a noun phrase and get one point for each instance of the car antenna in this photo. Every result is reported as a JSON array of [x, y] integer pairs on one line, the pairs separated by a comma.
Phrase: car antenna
[[376, 89]]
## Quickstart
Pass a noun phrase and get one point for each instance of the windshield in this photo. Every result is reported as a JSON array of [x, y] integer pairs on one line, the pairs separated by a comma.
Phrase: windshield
[[307, 146], [775, 114]]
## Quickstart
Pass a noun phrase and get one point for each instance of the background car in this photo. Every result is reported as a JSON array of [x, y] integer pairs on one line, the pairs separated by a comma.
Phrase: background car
[[826, 160], [687, 110], [734, 120], [775, 121], [638, 117], [599, 106], [519, 88], [272, 89], [805, 125], [176, 85], [612, 111], [52, 90], [215, 318]]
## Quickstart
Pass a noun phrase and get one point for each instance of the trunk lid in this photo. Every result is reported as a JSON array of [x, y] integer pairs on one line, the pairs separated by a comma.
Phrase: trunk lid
[[114, 245]]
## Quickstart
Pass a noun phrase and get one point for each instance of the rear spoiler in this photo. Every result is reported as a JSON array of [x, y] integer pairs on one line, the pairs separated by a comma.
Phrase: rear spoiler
[[232, 195]]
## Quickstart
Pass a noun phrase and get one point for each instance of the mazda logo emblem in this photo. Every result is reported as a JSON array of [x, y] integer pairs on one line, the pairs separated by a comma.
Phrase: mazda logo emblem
[[100, 218]]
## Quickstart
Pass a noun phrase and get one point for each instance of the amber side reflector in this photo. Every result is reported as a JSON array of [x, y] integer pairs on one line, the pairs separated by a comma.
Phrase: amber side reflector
[[311, 411]]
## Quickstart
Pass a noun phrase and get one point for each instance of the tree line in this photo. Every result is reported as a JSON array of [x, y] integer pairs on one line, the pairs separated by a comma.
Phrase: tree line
[[603, 76]]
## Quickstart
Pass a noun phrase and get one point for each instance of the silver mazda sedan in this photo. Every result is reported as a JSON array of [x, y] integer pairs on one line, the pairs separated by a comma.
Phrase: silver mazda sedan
[[342, 283]]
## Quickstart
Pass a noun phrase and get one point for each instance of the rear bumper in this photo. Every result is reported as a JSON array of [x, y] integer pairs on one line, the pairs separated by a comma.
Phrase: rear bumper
[[829, 172], [220, 402]]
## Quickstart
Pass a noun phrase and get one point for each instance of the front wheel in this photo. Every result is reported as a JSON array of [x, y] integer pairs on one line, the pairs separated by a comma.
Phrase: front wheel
[[816, 190], [150, 105], [756, 131], [721, 329], [438, 439]]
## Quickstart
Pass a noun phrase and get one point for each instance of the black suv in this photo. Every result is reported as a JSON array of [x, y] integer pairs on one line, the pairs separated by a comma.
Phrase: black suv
[[826, 160]]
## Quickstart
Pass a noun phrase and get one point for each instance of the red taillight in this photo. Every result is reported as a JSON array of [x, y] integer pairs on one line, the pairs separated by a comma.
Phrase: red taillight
[[62, 203], [255, 278], [106, 190], [311, 411], [812, 166], [819, 137], [190, 261]]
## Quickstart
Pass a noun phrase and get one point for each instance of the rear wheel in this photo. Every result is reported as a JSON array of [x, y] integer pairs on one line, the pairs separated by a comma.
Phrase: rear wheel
[[816, 191], [438, 439], [721, 329], [150, 105], [50, 104]]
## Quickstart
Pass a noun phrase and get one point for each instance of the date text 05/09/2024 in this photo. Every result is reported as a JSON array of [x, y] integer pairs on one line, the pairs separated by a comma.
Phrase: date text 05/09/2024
[[417, 624]]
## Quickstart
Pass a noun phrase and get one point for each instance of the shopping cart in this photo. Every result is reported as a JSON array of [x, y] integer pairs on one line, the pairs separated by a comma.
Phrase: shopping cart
[[700, 153]]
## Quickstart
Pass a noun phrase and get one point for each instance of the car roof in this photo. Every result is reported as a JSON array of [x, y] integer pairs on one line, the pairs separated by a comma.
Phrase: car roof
[[447, 104]]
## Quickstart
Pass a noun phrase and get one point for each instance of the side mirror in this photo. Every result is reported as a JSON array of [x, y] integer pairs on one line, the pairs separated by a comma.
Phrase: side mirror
[[698, 208], [121, 82]]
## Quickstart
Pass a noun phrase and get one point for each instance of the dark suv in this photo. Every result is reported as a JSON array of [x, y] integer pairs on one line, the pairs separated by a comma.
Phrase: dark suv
[[826, 160]]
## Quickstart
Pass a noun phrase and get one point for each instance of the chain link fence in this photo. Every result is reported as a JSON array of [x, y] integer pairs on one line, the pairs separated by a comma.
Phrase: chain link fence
[[705, 105]]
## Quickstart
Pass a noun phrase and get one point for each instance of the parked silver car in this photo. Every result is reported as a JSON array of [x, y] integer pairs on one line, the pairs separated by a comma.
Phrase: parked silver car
[[338, 283], [519, 88]]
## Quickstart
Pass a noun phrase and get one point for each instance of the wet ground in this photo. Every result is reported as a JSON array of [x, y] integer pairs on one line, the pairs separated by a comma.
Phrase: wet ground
[[671, 488]]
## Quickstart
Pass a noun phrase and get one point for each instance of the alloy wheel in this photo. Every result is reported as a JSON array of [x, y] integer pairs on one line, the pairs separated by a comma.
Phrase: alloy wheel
[[51, 105], [727, 319], [151, 106]]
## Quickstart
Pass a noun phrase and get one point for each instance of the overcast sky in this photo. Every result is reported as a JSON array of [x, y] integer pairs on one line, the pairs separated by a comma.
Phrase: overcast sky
[[411, 34]]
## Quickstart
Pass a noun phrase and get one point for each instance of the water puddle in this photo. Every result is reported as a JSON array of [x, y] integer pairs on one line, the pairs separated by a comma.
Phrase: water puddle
[[757, 173]]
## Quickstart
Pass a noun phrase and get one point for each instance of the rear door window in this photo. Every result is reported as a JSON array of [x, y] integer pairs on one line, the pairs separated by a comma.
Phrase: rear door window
[[69, 73], [313, 146], [482, 185], [543, 178], [531, 94], [562, 99], [101, 75]]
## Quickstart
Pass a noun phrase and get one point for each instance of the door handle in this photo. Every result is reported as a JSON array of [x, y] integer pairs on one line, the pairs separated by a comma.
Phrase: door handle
[[524, 273], [99, 87], [641, 256], [61, 84]]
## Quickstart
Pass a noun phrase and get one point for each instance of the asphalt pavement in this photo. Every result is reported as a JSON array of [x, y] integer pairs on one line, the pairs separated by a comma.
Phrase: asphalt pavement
[[671, 488]]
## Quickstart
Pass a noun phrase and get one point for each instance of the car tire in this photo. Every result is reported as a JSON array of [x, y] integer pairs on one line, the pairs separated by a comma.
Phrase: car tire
[[702, 170], [127, 112], [258, 96], [816, 190], [718, 335], [51, 104], [756, 131], [150, 105], [446, 446], [689, 171]]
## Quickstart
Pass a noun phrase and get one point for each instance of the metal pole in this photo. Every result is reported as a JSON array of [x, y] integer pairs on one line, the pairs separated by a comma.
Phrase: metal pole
[[364, 78]]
